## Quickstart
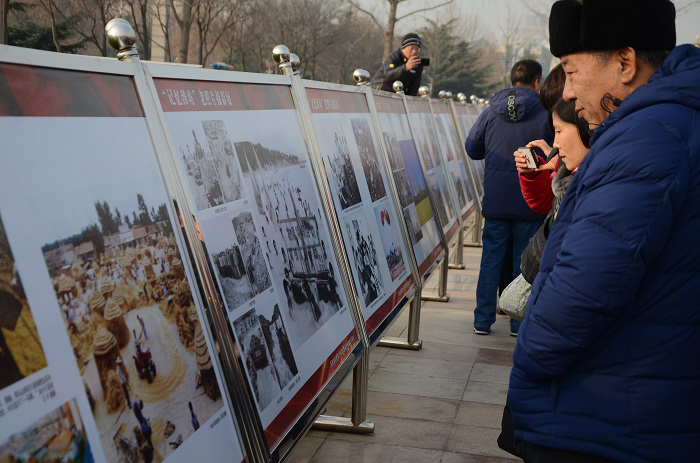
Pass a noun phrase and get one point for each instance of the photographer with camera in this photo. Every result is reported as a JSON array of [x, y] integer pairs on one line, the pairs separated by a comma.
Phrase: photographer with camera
[[403, 64]]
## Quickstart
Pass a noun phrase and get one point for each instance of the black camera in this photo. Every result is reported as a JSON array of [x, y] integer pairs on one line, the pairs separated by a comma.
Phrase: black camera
[[425, 61]]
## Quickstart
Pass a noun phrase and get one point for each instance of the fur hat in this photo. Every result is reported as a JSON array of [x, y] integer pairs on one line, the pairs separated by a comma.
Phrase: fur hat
[[598, 25], [410, 39]]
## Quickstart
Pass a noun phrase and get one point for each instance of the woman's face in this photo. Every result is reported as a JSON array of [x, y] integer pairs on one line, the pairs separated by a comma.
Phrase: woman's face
[[566, 138]]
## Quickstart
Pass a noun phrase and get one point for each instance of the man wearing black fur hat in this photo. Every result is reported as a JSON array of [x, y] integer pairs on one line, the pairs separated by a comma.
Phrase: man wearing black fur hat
[[403, 64], [606, 367]]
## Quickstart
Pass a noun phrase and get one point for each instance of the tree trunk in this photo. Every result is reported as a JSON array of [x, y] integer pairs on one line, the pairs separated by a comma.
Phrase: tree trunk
[[146, 40], [389, 31], [54, 35], [185, 24], [4, 8]]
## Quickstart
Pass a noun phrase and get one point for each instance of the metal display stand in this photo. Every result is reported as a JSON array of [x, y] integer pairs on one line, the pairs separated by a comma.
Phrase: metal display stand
[[357, 423], [122, 38], [412, 342]]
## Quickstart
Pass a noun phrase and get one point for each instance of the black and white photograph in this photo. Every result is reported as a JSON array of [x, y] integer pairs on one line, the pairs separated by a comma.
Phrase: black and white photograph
[[432, 139], [277, 340], [341, 168], [394, 151], [363, 257], [440, 203], [368, 157], [449, 149], [236, 253], [211, 167], [422, 141], [258, 359], [460, 188], [412, 223], [293, 235], [402, 187], [389, 232]]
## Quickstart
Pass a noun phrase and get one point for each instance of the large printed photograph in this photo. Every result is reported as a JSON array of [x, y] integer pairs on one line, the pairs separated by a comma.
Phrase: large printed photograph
[[57, 436], [285, 204], [120, 286], [389, 233], [342, 172], [368, 157], [209, 162], [234, 245], [21, 353], [363, 258]]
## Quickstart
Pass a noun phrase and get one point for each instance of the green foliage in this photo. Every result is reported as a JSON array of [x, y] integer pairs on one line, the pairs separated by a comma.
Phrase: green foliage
[[454, 64], [24, 31]]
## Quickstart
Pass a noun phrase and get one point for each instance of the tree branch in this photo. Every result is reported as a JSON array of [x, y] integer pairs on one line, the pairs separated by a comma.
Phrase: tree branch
[[424, 9], [367, 13]]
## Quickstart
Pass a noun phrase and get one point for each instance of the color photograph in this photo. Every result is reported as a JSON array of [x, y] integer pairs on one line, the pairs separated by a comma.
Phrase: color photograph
[[21, 353], [416, 181], [58, 436]]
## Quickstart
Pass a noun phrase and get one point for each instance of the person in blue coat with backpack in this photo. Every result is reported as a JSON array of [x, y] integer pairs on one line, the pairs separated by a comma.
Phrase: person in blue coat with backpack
[[607, 364]]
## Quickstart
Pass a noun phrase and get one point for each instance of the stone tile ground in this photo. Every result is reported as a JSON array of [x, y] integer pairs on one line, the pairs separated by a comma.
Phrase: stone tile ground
[[442, 404]]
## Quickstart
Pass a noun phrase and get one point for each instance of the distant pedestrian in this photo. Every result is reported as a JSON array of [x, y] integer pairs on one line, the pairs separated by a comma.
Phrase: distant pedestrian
[[143, 326], [194, 420]]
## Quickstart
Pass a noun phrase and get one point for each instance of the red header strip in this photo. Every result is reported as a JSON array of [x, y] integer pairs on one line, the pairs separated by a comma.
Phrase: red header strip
[[387, 104], [440, 107], [382, 312], [425, 265], [301, 400], [333, 101], [178, 95], [46, 92], [419, 106]]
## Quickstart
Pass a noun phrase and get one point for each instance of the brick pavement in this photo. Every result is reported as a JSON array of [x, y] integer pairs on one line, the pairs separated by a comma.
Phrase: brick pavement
[[440, 404]]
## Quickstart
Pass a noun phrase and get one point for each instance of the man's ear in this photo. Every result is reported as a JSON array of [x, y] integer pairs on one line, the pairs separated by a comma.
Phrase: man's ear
[[627, 60]]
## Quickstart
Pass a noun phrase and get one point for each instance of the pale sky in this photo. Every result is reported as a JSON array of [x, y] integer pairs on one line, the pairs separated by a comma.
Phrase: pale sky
[[492, 14]]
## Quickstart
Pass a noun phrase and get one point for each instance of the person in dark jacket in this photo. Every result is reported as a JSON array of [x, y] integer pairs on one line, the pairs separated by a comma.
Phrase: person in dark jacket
[[514, 117], [606, 366], [403, 64]]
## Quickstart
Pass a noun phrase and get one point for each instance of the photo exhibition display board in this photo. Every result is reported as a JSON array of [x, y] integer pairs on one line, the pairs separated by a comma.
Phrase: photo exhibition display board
[[243, 160], [103, 356], [431, 139], [466, 117], [410, 182], [453, 150], [362, 196]]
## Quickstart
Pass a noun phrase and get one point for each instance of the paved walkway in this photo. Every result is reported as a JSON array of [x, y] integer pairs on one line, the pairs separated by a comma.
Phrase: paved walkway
[[441, 404]]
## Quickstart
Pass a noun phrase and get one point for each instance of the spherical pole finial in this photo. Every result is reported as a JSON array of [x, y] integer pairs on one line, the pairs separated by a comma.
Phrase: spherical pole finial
[[398, 86], [121, 37], [295, 62], [361, 76], [473, 99], [424, 91], [448, 95], [442, 94], [487, 102], [482, 101], [462, 97]]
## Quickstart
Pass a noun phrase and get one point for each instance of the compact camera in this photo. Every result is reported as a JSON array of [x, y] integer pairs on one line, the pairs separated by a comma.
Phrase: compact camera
[[533, 161]]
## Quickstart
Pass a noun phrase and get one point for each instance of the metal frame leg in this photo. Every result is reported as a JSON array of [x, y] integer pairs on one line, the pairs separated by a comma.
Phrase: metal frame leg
[[441, 295], [459, 252], [476, 232], [413, 343], [358, 423]]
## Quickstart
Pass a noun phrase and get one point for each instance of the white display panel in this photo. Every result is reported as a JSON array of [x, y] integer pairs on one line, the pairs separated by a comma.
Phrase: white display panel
[[109, 335], [410, 182], [241, 153], [362, 197], [431, 138]]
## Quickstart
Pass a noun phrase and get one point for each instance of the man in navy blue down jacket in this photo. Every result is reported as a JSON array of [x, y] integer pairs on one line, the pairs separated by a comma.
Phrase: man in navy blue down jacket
[[608, 358], [514, 118]]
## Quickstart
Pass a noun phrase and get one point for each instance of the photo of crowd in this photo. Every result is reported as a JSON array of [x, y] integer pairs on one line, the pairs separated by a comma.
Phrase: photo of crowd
[[212, 170], [389, 232], [342, 171], [294, 237], [58, 436], [123, 295], [398, 170], [21, 353], [363, 258], [368, 157], [269, 358]]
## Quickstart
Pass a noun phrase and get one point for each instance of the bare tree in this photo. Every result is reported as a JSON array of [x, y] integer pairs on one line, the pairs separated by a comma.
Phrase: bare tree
[[93, 24], [213, 18], [510, 34], [393, 18], [49, 6], [184, 19], [140, 12]]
